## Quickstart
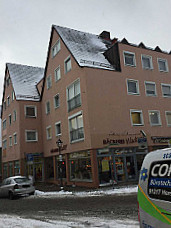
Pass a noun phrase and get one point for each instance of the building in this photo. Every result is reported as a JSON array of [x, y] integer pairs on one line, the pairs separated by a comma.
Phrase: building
[[108, 101]]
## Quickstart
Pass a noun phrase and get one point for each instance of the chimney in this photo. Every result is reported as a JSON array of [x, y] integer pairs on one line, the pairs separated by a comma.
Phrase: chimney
[[105, 35]]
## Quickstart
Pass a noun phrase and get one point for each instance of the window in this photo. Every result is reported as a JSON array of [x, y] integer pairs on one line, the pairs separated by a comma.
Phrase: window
[[58, 128], [49, 82], [146, 62], [129, 58], [67, 64], [31, 136], [166, 90], [30, 111], [162, 64], [132, 86], [49, 132], [5, 105], [15, 138], [150, 88], [136, 117], [168, 117], [10, 141], [154, 117], [16, 168], [4, 124], [56, 48], [7, 81], [14, 115], [74, 96], [8, 100], [13, 96], [10, 119], [57, 74], [56, 101], [4, 144], [76, 127], [47, 107]]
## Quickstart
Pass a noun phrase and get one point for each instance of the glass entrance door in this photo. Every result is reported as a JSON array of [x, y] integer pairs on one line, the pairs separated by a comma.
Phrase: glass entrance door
[[105, 168], [130, 166], [120, 168]]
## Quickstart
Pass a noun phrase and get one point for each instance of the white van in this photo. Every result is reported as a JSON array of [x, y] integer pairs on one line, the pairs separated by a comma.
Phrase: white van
[[154, 190]]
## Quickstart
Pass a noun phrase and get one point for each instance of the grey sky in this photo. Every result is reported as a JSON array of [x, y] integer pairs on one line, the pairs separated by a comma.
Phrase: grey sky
[[25, 25]]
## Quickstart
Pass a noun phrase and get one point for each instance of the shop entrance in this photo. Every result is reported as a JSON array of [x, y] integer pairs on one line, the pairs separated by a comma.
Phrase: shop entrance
[[105, 167]]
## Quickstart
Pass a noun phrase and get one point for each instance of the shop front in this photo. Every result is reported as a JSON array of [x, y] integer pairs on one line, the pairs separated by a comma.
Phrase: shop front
[[119, 164]]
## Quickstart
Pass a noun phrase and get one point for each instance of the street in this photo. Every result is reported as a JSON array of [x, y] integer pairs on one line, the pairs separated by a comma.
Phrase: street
[[90, 211]]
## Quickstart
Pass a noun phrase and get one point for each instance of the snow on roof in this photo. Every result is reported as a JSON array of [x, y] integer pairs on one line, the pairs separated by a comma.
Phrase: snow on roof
[[86, 48], [25, 79]]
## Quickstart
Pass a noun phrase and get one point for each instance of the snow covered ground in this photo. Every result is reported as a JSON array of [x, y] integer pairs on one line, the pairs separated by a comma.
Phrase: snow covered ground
[[109, 191], [7, 221]]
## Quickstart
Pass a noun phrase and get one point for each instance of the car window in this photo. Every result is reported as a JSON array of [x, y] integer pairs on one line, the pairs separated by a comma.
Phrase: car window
[[21, 180], [8, 182]]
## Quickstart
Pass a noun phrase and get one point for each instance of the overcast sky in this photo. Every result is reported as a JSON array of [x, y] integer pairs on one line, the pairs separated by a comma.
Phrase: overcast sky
[[25, 25]]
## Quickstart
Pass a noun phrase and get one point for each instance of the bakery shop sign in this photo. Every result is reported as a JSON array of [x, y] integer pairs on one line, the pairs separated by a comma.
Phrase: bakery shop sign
[[120, 141]]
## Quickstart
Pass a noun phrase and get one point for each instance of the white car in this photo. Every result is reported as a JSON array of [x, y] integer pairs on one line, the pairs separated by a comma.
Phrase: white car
[[16, 186]]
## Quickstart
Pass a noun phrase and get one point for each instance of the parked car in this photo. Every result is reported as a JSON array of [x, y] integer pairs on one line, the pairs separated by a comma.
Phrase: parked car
[[16, 186]]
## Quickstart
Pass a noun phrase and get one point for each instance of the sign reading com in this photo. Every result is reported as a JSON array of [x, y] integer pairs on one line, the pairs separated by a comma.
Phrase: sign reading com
[[159, 184]]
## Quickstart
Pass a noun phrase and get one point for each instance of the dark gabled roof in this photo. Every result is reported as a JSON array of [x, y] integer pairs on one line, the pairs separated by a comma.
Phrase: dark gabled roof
[[86, 48], [24, 80]]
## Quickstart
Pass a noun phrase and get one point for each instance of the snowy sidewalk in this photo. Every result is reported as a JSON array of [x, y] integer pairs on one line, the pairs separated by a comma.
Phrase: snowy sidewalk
[[99, 192]]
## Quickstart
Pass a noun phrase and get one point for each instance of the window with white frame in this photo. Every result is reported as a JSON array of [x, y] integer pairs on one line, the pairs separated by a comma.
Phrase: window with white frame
[[168, 117], [49, 132], [10, 119], [15, 138], [49, 82], [10, 140], [76, 127], [129, 58], [30, 111], [166, 90], [14, 115], [74, 95], [58, 128], [150, 88], [57, 74], [31, 136], [162, 64], [67, 64], [13, 96], [56, 48], [56, 101], [146, 62], [154, 117], [4, 124], [132, 86], [136, 117], [47, 107]]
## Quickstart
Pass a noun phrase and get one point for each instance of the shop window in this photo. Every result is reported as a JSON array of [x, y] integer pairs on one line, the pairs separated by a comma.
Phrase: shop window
[[105, 169], [57, 74], [132, 87], [168, 117], [16, 168], [61, 165], [130, 165], [5, 170], [74, 96], [146, 62], [136, 117], [150, 88], [154, 117], [166, 90], [162, 64], [129, 58], [80, 166], [30, 111], [76, 127], [10, 169]]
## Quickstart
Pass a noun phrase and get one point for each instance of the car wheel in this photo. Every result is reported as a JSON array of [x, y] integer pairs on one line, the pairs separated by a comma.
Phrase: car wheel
[[11, 196]]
